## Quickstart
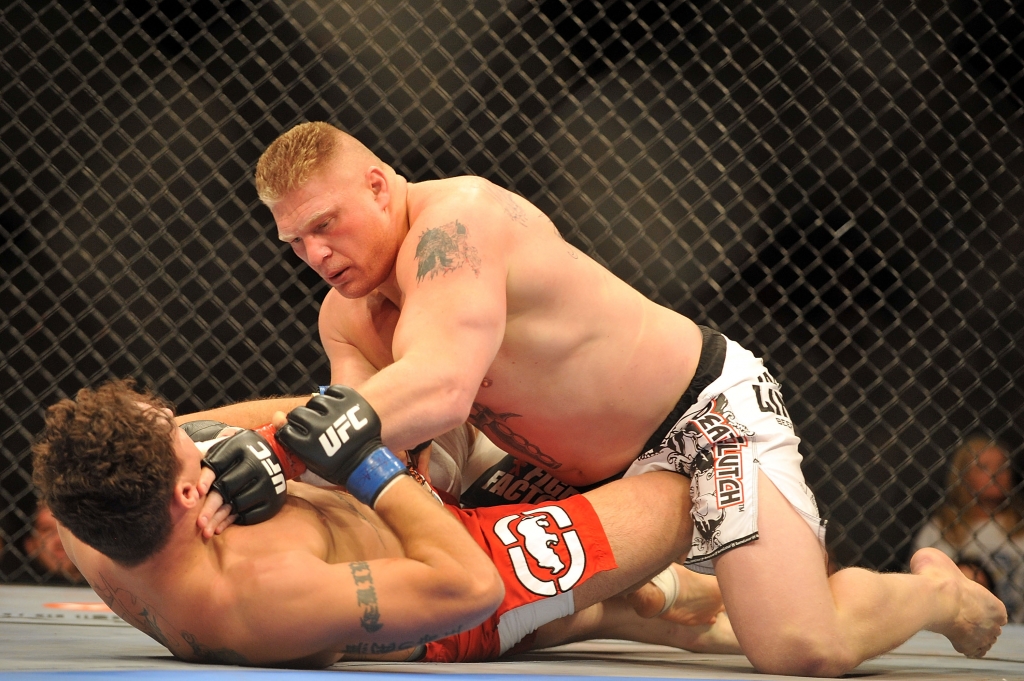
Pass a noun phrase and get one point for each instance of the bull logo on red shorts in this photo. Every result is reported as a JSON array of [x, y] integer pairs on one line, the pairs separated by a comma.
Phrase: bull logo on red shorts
[[546, 555]]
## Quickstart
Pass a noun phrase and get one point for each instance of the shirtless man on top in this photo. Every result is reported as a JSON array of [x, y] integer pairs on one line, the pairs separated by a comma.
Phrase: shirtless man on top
[[329, 577], [478, 309]]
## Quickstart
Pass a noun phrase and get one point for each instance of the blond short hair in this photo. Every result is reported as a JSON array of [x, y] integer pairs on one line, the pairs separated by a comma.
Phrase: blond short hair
[[292, 158]]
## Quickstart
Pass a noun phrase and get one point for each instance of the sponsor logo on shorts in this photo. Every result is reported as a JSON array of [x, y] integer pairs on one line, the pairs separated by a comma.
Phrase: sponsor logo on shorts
[[729, 472], [523, 483], [768, 395], [262, 452], [337, 434], [717, 422], [546, 552]]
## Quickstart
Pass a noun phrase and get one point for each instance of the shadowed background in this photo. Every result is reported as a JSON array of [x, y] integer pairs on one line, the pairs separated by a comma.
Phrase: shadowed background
[[835, 185]]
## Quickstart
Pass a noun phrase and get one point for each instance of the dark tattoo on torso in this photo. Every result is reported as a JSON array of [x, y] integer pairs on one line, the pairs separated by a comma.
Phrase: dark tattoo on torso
[[445, 249], [133, 611], [366, 596], [495, 426], [144, 617]]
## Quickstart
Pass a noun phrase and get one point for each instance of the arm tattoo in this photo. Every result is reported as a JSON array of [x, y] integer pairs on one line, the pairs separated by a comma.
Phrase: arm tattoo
[[495, 426], [366, 596], [362, 648], [445, 249]]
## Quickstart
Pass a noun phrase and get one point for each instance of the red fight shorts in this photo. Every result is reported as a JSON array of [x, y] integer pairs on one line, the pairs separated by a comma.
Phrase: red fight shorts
[[542, 552]]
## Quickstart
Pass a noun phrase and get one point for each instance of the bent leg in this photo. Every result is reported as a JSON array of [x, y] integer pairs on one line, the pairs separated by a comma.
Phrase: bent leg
[[647, 521], [615, 618], [791, 618]]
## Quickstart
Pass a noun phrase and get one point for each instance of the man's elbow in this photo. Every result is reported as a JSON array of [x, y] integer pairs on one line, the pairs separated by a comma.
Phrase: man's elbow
[[455, 401], [487, 593]]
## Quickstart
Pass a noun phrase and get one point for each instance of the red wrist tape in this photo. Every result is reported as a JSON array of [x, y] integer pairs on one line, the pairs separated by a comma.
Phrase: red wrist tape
[[291, 465]]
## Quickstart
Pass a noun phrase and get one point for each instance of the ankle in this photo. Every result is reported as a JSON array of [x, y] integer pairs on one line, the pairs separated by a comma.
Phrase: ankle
[[946, 593]]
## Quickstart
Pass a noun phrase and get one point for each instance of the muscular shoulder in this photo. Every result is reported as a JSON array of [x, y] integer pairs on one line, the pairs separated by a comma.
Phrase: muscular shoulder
[[247, 586], [457, 189], [473, 201]]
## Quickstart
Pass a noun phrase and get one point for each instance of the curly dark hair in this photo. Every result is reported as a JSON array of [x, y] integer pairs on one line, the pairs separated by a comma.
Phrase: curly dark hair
[[107, 470]]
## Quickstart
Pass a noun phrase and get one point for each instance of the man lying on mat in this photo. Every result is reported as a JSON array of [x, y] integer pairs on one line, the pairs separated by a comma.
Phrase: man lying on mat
[[467, 470], [384, 573]]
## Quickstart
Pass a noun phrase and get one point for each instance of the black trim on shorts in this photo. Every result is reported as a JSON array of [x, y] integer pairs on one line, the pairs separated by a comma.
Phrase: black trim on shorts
[[708, 557], [709, 368]]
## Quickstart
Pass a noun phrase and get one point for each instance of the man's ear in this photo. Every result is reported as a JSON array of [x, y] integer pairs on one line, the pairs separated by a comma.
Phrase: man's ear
[[186, 494], [377, 181]]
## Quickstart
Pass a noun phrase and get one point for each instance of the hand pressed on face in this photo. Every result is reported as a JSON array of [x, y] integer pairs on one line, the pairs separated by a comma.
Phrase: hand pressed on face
[[215, 516]]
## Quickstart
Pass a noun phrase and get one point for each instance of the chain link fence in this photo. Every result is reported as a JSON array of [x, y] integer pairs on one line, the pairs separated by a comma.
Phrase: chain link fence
[[837, 185]]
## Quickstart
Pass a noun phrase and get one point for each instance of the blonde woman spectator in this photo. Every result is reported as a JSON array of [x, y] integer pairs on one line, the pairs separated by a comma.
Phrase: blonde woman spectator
[[981, 521]]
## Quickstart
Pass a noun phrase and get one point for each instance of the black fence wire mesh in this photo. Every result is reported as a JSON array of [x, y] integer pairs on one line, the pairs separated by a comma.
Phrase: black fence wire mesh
[[837, 185]]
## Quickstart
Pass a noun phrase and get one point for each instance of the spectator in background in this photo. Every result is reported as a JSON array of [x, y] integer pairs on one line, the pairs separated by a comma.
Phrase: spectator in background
[[44, 548], [981, 522], [976, 571]]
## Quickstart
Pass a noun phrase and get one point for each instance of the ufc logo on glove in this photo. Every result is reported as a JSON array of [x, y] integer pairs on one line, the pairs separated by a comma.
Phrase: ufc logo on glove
[[335, 436], [273, 470]]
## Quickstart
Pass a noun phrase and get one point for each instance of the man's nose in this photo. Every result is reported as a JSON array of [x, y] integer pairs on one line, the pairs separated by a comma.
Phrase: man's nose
[[317, 250]]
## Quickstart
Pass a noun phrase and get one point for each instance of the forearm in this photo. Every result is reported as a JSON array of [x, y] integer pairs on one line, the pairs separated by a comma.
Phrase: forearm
[[417, 402], [431, 535], [251, 414]]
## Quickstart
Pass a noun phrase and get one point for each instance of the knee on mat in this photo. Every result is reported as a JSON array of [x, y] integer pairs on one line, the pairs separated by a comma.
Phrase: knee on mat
[[804, 655]]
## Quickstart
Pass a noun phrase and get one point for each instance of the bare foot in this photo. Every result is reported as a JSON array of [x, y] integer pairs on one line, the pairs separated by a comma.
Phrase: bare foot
[[699, 600], [981, 615], [720, 638]]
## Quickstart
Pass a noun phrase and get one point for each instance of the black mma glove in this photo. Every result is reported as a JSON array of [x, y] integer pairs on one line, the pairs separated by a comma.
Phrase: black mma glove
[[251, 469], [337, 435], [201, 431]]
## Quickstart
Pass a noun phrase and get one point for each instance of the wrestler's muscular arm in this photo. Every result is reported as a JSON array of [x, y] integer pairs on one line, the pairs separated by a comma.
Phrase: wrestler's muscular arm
[[301, 605], [251, 414], [452, 274]]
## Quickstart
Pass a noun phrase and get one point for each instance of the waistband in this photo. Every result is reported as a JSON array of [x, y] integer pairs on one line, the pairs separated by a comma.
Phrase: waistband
[[709, 368]]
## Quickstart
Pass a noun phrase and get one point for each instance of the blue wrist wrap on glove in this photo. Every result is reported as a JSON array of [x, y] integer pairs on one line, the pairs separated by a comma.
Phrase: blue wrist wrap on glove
[[373, 474]]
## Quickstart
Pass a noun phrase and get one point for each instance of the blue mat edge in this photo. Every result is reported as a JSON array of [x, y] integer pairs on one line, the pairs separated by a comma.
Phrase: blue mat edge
[[283, 675], [286, 675]]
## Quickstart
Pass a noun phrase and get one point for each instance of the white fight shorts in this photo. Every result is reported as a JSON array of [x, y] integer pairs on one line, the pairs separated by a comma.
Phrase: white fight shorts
[[729, 424]]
